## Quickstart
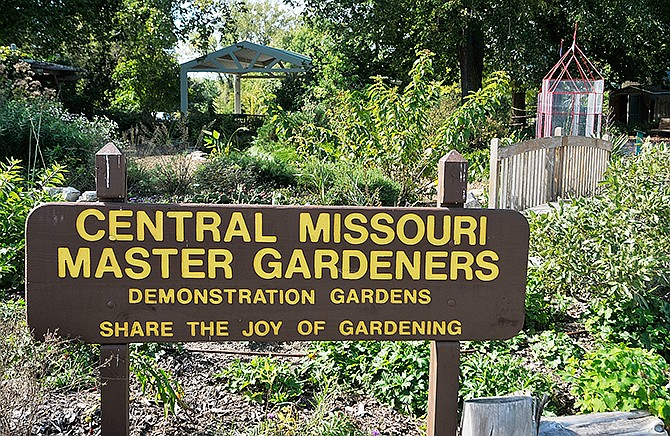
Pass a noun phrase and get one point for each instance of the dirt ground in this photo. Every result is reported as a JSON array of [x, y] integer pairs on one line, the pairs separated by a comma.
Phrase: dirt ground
[[212, 410]]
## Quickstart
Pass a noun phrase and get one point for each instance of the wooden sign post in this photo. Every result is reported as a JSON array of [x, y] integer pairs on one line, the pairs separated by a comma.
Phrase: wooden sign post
[[114, 273], [445, 356], [110, 182]]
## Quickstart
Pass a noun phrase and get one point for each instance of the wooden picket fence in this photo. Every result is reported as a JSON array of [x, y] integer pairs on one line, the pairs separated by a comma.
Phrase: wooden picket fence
[[540, 171]]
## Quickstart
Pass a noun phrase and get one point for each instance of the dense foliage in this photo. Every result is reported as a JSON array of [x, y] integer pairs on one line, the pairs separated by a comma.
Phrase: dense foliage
[[18, 196]]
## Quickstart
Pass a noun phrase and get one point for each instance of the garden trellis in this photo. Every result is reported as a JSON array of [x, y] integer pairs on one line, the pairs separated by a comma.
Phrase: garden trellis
[[571, 97]]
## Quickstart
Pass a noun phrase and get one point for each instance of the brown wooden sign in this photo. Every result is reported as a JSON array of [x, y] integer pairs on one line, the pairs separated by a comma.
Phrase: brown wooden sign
[[117, 273]]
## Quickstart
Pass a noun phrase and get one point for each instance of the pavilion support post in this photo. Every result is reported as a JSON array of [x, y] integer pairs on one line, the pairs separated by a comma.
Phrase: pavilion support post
[[445, 356], [237, 83], [183, 91]]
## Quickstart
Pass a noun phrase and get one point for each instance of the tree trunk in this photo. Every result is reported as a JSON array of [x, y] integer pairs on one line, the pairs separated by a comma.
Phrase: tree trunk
[[519, 108], [471, 56]]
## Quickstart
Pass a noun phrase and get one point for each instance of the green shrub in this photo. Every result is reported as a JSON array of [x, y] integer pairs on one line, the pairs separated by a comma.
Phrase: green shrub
[[346, 184], [392, 129], [554, 348], [265, 380], [610, 253], [638, 323], [289, 420], [395, 373], [618, 378], [41, 133], [495, 373], [154, 379], [242, 178], [17, 197]]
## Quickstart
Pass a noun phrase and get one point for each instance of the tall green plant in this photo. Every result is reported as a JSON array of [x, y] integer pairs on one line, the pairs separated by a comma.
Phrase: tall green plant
[[395, 129], [17, 197]]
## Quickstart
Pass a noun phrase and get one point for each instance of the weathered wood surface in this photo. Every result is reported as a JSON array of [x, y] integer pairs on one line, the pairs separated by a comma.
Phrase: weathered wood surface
[[531, 173], [603, 424], [499, 416], [663, 128]]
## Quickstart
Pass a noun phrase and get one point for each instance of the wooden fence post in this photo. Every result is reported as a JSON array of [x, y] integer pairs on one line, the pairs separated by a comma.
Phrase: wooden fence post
[[493, 174], [442, 417], [110, 180]]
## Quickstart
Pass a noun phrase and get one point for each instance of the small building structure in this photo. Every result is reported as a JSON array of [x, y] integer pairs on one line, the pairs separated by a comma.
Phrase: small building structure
[[244, 59], [636, 103], [571, 97]]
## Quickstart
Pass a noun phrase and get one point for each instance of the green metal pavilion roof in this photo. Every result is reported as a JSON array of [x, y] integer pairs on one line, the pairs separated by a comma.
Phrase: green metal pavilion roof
[[243, 59], [246, 57]]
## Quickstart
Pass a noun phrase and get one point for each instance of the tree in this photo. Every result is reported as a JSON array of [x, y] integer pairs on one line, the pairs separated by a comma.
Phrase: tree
[[627, 39]]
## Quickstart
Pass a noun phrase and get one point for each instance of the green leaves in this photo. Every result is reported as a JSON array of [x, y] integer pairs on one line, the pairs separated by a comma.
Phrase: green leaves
[[265, 380], [618, 378], [17, 198]]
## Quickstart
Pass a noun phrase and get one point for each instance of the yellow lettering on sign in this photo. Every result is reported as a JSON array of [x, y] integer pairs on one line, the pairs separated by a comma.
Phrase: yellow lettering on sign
[[126, 329], [80, 225], [237, 227], [330, 264], [208, 329], [347, 268], [188, 262], [297, 264], [143, 265], [108, 264], [165, 254], [431, 232], [493, 269], [275, 268], [319, 232], [219, 259], [461, 261], [350, 223], [81, 265], [432, 263], [179, 217], [376, 263], [465, 226], [155, 227], [258, 230], [402, 230], [207, 221], [116, 223], [379, 222]]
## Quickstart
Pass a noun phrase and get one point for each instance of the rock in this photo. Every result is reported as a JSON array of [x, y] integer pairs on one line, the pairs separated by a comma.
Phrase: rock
[[54, 191], [88, 196], [71, 194], [471, 202]]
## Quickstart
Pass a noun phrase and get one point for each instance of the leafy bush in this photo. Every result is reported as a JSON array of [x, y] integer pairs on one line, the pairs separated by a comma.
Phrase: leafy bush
[[610, 252], [554, 348], [41, 133], [153, 379], [18, 196], [344, 183], [396, 373], [30, 368], [495, 373], [265, 380], [393, 129], [618, 378], [242, 178], [288, 420]]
